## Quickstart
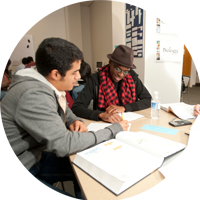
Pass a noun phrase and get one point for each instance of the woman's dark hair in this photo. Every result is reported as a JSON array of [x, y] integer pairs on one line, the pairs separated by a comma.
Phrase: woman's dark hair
[[25, 61], [85, 71], [29, 58], [7, 66], [56, 53]]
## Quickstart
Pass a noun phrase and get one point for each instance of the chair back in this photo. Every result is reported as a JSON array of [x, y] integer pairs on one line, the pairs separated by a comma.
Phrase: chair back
[[186, 80]]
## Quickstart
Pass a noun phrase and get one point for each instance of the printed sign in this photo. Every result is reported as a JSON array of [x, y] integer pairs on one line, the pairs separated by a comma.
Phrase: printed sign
[[168, 51]]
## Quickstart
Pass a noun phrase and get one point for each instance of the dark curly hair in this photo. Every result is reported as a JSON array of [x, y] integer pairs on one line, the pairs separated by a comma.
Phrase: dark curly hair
[[56, 53]]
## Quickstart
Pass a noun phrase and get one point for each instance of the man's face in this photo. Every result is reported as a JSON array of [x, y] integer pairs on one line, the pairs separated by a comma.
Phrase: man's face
[[67, 82], [117, 72]]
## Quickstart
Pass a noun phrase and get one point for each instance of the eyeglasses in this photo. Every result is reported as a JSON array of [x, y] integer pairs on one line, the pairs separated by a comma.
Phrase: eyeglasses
[[118, 70]]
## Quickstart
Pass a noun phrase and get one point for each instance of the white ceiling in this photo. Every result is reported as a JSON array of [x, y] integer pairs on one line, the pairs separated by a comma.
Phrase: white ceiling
[[86, 3]]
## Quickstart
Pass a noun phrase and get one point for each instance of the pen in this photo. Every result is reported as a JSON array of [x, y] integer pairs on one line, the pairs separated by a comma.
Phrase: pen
[[122, 116], [173, 119]]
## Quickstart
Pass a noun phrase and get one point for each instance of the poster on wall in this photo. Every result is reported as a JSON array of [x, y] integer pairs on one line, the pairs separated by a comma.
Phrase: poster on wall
[[134, 29], [162, 27], [168, 51]]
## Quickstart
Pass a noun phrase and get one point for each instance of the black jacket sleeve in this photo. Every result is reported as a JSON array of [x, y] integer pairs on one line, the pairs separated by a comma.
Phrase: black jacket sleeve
[[80, 106], [143, 97]]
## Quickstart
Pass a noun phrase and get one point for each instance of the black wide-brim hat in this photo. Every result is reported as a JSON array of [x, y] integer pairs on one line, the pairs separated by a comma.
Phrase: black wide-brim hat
[[123, 56]]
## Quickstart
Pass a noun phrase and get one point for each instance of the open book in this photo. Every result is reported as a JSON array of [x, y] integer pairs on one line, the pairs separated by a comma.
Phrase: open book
[[181, 110], [122, 162]]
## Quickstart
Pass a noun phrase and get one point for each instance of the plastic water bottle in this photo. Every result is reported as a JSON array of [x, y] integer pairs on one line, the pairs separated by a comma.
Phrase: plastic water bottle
[[155, 106]]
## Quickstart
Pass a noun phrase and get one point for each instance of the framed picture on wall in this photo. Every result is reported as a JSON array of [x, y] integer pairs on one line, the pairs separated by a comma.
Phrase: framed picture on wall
[[134, 29]]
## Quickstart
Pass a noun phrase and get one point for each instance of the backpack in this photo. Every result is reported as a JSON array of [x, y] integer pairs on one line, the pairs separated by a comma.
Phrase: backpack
[[4, 77]]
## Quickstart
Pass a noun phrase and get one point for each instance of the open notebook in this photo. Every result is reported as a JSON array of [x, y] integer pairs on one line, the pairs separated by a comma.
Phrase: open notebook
[[181, 110]]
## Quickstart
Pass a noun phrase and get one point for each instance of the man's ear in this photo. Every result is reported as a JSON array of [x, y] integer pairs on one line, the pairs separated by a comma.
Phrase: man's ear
[[55, 75]]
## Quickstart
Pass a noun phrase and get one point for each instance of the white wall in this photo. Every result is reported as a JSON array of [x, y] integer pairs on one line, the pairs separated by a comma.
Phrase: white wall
[[79, 29], [162, 77], [73, 24], [188, 17], [166, 77], [101, 31], [41, 19], [86, 34], [118, 23]]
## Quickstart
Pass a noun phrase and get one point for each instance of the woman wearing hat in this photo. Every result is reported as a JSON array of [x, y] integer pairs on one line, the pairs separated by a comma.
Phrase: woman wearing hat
[[114, 88]]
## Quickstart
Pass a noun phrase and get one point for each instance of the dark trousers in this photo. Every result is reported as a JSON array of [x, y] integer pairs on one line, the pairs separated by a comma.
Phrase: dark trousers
[[51, 169]]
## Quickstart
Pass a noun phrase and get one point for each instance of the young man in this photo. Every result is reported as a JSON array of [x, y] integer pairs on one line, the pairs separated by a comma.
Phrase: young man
[[36, 116], [31, 62], [114, 89]]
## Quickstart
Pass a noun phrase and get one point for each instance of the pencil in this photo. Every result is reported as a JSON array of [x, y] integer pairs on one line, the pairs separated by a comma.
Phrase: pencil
[[122, 116]]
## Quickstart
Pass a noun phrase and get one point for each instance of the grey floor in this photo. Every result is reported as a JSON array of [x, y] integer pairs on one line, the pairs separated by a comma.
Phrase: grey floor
[[191, 97], [68, 187]]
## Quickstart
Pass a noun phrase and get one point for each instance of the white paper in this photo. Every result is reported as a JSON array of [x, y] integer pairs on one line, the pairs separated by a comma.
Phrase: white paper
[[182, 170], [98, 126], [130, 116], [182, 176], [196, 124]]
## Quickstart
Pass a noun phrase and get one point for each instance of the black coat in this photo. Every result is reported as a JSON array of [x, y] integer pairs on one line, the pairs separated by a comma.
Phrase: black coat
[[90, 92]]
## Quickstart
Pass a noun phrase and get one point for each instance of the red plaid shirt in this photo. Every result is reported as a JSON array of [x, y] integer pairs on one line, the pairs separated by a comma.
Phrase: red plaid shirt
[[107, 93]]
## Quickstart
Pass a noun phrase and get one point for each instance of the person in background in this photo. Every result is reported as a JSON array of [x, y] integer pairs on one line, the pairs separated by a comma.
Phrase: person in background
[[116, 88], [25, 61], [5, 79], [2, 94], [197, 110], [85, 72], [31, 62], [41, 128]]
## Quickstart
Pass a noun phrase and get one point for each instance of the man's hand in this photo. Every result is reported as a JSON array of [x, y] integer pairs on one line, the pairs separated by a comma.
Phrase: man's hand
[[124, 125], [78, 126], [197, 110], [110, 117], [115, 109]]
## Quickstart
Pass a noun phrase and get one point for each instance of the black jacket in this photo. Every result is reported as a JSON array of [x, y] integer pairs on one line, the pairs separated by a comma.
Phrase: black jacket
[[90, 92]]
